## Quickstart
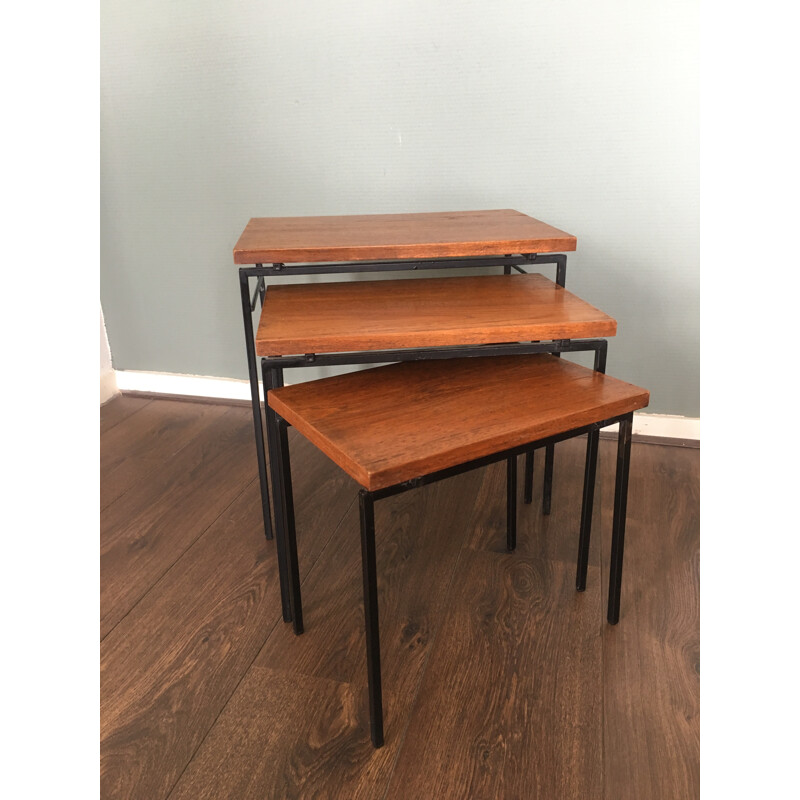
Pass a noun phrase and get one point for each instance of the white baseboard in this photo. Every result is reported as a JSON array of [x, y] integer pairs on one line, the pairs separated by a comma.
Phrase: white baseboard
[[108, 385], [187, 385], [662, 426]]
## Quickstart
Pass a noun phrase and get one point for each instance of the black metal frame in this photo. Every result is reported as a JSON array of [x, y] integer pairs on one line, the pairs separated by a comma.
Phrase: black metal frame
[[368, 557], [260, 271], [598, 346]]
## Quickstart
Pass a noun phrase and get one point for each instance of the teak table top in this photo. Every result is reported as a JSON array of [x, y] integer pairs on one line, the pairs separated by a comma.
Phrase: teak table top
[[434, 312], [396, 236], [390, 424]]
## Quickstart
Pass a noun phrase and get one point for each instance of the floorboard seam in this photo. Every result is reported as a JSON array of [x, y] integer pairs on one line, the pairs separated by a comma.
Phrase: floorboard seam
[[330, 539], [246, 672], [464, 546], [177, 452], [125, 418], [224, 706], [173, 564]]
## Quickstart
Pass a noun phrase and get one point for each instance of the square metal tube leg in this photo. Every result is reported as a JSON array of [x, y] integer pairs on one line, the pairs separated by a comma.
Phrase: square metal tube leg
[[550, 449], [589, 476], [511, 503], [549, 458], [620, 511], [290, 539], [528, 481], [369, 575], [252, 369], [272, 380]]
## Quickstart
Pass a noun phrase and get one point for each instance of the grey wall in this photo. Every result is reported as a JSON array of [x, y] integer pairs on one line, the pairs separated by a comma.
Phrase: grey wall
[[583, 114]]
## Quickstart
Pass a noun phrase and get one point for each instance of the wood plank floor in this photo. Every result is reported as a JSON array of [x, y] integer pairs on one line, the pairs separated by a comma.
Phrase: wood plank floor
[[500, 681]]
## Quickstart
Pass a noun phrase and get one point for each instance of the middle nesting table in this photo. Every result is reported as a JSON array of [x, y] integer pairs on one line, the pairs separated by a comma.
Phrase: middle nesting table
[[434, 312], [359, 322]]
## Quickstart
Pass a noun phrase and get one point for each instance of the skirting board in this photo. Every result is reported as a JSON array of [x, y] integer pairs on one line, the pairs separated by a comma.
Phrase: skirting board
[[108, 385], [664, 428]]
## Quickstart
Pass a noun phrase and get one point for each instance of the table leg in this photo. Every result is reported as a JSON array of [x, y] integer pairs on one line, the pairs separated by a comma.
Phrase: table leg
[[589, 476], [620, 510], [550, 451], [273, 378], [528, 481], [252, 369], [549, 458], [290, 538], [511, 503], [370, 580]]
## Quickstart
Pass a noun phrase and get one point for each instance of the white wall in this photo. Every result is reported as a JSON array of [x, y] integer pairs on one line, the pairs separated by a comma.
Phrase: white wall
[[108, 383]]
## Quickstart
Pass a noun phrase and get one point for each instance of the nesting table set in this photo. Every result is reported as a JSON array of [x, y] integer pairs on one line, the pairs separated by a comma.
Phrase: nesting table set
[[472, 371]]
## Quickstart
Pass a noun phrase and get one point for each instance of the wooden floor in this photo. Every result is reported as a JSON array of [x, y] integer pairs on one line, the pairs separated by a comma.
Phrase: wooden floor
[[500, 681]]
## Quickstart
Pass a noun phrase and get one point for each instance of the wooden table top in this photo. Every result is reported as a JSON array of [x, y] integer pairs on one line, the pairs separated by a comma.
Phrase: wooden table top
[[390, 424], [432, 312], [396, 236]]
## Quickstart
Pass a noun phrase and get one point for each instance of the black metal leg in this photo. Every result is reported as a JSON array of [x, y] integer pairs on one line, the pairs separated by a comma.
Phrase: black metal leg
[[290, 539], [369, 574], [620, 510], [589, 479], [252, 368], [550, 450], [529, 477], [549, 458], [600, 356], [511, 504], [590, 472], [561, 269], [272, 380]]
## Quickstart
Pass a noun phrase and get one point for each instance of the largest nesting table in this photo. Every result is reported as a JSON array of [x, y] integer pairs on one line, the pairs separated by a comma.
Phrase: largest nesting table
[[401, 320]]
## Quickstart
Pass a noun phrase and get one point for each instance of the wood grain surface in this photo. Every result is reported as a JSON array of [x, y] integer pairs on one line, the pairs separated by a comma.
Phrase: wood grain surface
[[156, 433], [330, 754], [651, 659], [521, 651], [435, 312], [500, 681], [545, 537], [119, 409], [150, 526], [396, 236], [390, 424], [225, 592]]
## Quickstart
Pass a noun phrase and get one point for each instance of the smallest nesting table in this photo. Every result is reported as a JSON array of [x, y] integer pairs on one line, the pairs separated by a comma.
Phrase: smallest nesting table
[[401, 426]]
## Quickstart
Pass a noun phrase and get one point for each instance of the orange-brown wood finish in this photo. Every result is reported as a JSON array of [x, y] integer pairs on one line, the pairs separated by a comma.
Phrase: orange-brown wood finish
[[435, 312], [390, 424], [390, 236]]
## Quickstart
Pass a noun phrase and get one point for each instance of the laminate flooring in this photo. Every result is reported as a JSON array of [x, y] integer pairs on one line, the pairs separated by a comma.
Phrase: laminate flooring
[[499, 679]]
